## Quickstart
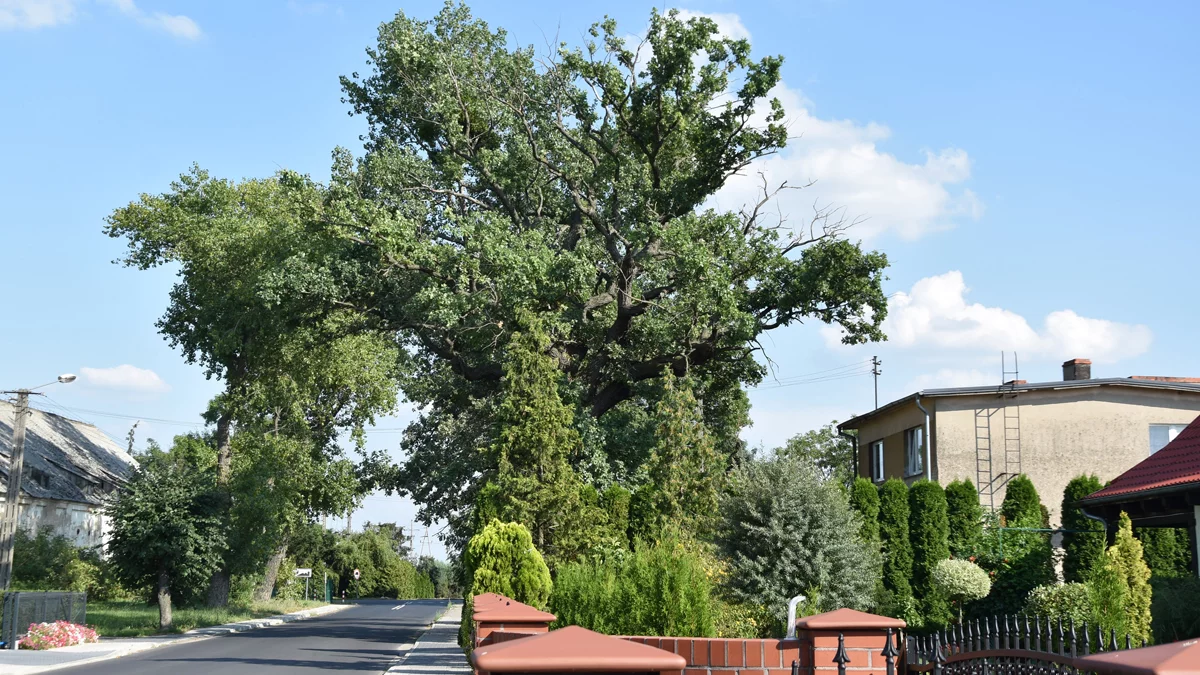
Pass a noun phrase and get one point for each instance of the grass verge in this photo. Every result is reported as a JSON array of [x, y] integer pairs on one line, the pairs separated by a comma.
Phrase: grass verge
[[132, 618]]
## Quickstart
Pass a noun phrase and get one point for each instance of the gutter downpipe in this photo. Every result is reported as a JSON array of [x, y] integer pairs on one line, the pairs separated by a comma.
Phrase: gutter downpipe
[[791, 625], [928, 441], [854, 443]]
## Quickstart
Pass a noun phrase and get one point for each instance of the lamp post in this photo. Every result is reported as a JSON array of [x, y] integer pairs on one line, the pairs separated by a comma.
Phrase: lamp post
[[16, 465]]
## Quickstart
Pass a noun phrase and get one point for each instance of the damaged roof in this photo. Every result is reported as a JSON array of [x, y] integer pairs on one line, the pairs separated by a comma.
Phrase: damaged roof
[[65, 459]]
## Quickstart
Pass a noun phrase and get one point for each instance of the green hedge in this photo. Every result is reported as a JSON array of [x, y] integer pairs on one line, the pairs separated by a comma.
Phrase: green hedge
[[897, 549], [965, 517], [864, 498]]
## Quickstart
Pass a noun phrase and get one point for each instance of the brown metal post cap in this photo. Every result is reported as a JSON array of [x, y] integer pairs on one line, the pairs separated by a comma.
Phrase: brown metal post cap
[[574, 649], [512, 612], [1175, 658]]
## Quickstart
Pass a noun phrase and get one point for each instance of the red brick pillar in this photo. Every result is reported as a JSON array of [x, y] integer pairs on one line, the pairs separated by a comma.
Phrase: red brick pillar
[[862, 635]]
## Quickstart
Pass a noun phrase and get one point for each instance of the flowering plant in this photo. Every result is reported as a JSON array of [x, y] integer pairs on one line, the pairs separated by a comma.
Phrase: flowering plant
[[57, 634]]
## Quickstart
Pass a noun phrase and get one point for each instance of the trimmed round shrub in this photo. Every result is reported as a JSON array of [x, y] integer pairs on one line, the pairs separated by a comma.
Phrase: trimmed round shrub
[[1061, 602], [961, 581]]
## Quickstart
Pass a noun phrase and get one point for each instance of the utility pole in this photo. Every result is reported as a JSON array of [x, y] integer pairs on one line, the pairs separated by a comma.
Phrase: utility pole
[[875, 363], [12, 504]]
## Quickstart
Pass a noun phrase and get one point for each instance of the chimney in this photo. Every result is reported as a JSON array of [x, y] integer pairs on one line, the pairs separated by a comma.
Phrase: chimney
[[1077, 369]]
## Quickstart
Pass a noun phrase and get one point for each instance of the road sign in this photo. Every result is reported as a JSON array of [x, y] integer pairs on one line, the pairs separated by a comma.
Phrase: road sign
[[357, 574], [303, 572]]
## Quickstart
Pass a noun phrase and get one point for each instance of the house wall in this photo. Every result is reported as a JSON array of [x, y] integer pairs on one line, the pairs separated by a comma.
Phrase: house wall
[[1064, 433], [890, 427], [82, 524]]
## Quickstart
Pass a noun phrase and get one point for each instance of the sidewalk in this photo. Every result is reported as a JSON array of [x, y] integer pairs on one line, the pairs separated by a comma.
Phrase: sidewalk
[[437, 651], [28, 661]]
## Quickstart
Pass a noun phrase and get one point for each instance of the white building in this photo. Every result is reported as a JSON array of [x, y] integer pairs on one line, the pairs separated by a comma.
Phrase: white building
[[70, 466]]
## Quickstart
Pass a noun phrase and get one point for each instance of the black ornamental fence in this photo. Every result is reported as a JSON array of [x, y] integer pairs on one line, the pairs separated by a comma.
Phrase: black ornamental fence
[[999, 645]]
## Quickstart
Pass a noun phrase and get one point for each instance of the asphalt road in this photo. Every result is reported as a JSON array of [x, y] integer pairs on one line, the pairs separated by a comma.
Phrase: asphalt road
[[362, 639]]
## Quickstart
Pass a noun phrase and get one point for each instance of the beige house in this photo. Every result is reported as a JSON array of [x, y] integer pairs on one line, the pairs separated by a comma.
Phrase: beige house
[[1050, 431]]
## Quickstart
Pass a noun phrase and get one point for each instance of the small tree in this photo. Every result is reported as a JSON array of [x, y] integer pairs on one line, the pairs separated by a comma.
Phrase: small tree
[[965, 516], [501, 559], [787, 531], [166, 530], [929, 532], [1166, 550], [1126, 558], [961, 581], [864, 499], [832, 453], [1083, 543], [897, 549]]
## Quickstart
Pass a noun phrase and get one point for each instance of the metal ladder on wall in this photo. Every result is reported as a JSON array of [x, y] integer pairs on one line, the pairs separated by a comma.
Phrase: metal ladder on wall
[[988, 481]]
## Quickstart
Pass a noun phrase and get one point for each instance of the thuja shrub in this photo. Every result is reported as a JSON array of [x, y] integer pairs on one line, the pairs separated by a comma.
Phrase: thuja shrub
[[897, 550], [1125, 556], [966, 518], [1061, 602], [864, 499], [929, 532], [1084, 540], [501, 559]]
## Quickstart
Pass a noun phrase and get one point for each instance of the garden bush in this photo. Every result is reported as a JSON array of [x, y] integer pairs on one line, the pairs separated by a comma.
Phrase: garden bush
[[965, 516], [961, 581], [1167, 550], [1061, 602], [787, 531], [1125, 557], [1175, 608], [1018, 560], [1084, 548], [929, 532], [658, 589]]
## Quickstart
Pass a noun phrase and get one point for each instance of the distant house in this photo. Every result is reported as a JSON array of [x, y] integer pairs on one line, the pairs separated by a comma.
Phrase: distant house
[[70, 466], [1050, 431]]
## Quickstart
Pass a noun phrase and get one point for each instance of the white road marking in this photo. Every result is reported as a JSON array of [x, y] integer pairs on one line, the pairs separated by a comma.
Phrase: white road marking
[[400, 606]]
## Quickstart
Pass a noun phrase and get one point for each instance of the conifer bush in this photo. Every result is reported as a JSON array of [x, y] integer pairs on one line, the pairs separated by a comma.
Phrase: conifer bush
[[864, 498], [1083, 548], [501, 559], [965, 516], [1167, 550], [897, 550], [929, 532], [1125, 556]]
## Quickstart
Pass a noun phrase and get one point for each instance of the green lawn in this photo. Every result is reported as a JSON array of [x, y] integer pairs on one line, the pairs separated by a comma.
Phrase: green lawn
[[132, 618]]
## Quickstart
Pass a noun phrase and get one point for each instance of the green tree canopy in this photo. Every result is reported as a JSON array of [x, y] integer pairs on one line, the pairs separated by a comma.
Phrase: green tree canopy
[[575, 187], [166, 530], [834, 454]]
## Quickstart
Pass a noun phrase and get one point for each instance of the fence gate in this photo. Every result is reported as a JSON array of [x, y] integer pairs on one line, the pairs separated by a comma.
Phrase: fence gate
[[23, 608]]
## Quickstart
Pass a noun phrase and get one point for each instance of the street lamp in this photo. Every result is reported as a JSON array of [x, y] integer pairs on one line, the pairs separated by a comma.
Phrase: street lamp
[[16, 465]]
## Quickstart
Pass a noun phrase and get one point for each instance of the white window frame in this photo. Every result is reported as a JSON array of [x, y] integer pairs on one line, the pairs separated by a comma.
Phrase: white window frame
[[1171, 430], [876, 450], [914, 458]]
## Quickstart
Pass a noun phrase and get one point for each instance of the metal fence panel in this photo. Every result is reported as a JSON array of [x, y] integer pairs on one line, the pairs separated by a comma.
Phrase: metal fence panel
[[24, 608]]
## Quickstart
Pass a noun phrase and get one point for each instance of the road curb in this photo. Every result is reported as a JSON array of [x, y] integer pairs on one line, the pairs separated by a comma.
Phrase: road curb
[[194, 635]]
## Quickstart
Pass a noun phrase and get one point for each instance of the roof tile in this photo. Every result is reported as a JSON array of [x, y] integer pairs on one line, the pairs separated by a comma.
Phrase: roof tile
[[1178, 463]]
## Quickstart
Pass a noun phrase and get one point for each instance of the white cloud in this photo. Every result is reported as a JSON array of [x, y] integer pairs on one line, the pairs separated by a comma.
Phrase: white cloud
[[935, 314], [849, 171], [176, 24], [126, 377], [30, 14]]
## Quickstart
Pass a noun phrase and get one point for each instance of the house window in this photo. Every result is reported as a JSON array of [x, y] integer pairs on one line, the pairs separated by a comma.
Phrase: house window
[[914, 451], [877, 461], [1161, 434]]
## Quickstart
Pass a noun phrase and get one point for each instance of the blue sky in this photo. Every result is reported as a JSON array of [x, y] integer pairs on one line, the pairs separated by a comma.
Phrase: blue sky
[[1025, 167]]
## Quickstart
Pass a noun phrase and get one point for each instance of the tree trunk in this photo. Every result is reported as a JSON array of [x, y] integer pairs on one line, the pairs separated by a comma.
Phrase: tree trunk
[[164, 601], [218, 585], [263, 592]]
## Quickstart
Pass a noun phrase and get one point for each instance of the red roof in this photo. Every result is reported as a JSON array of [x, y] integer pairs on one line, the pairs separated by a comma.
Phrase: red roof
[[1178, 463], [574, 649]]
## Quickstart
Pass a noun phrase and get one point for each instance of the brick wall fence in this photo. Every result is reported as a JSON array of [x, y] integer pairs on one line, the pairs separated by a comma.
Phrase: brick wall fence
[[813, 648]]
